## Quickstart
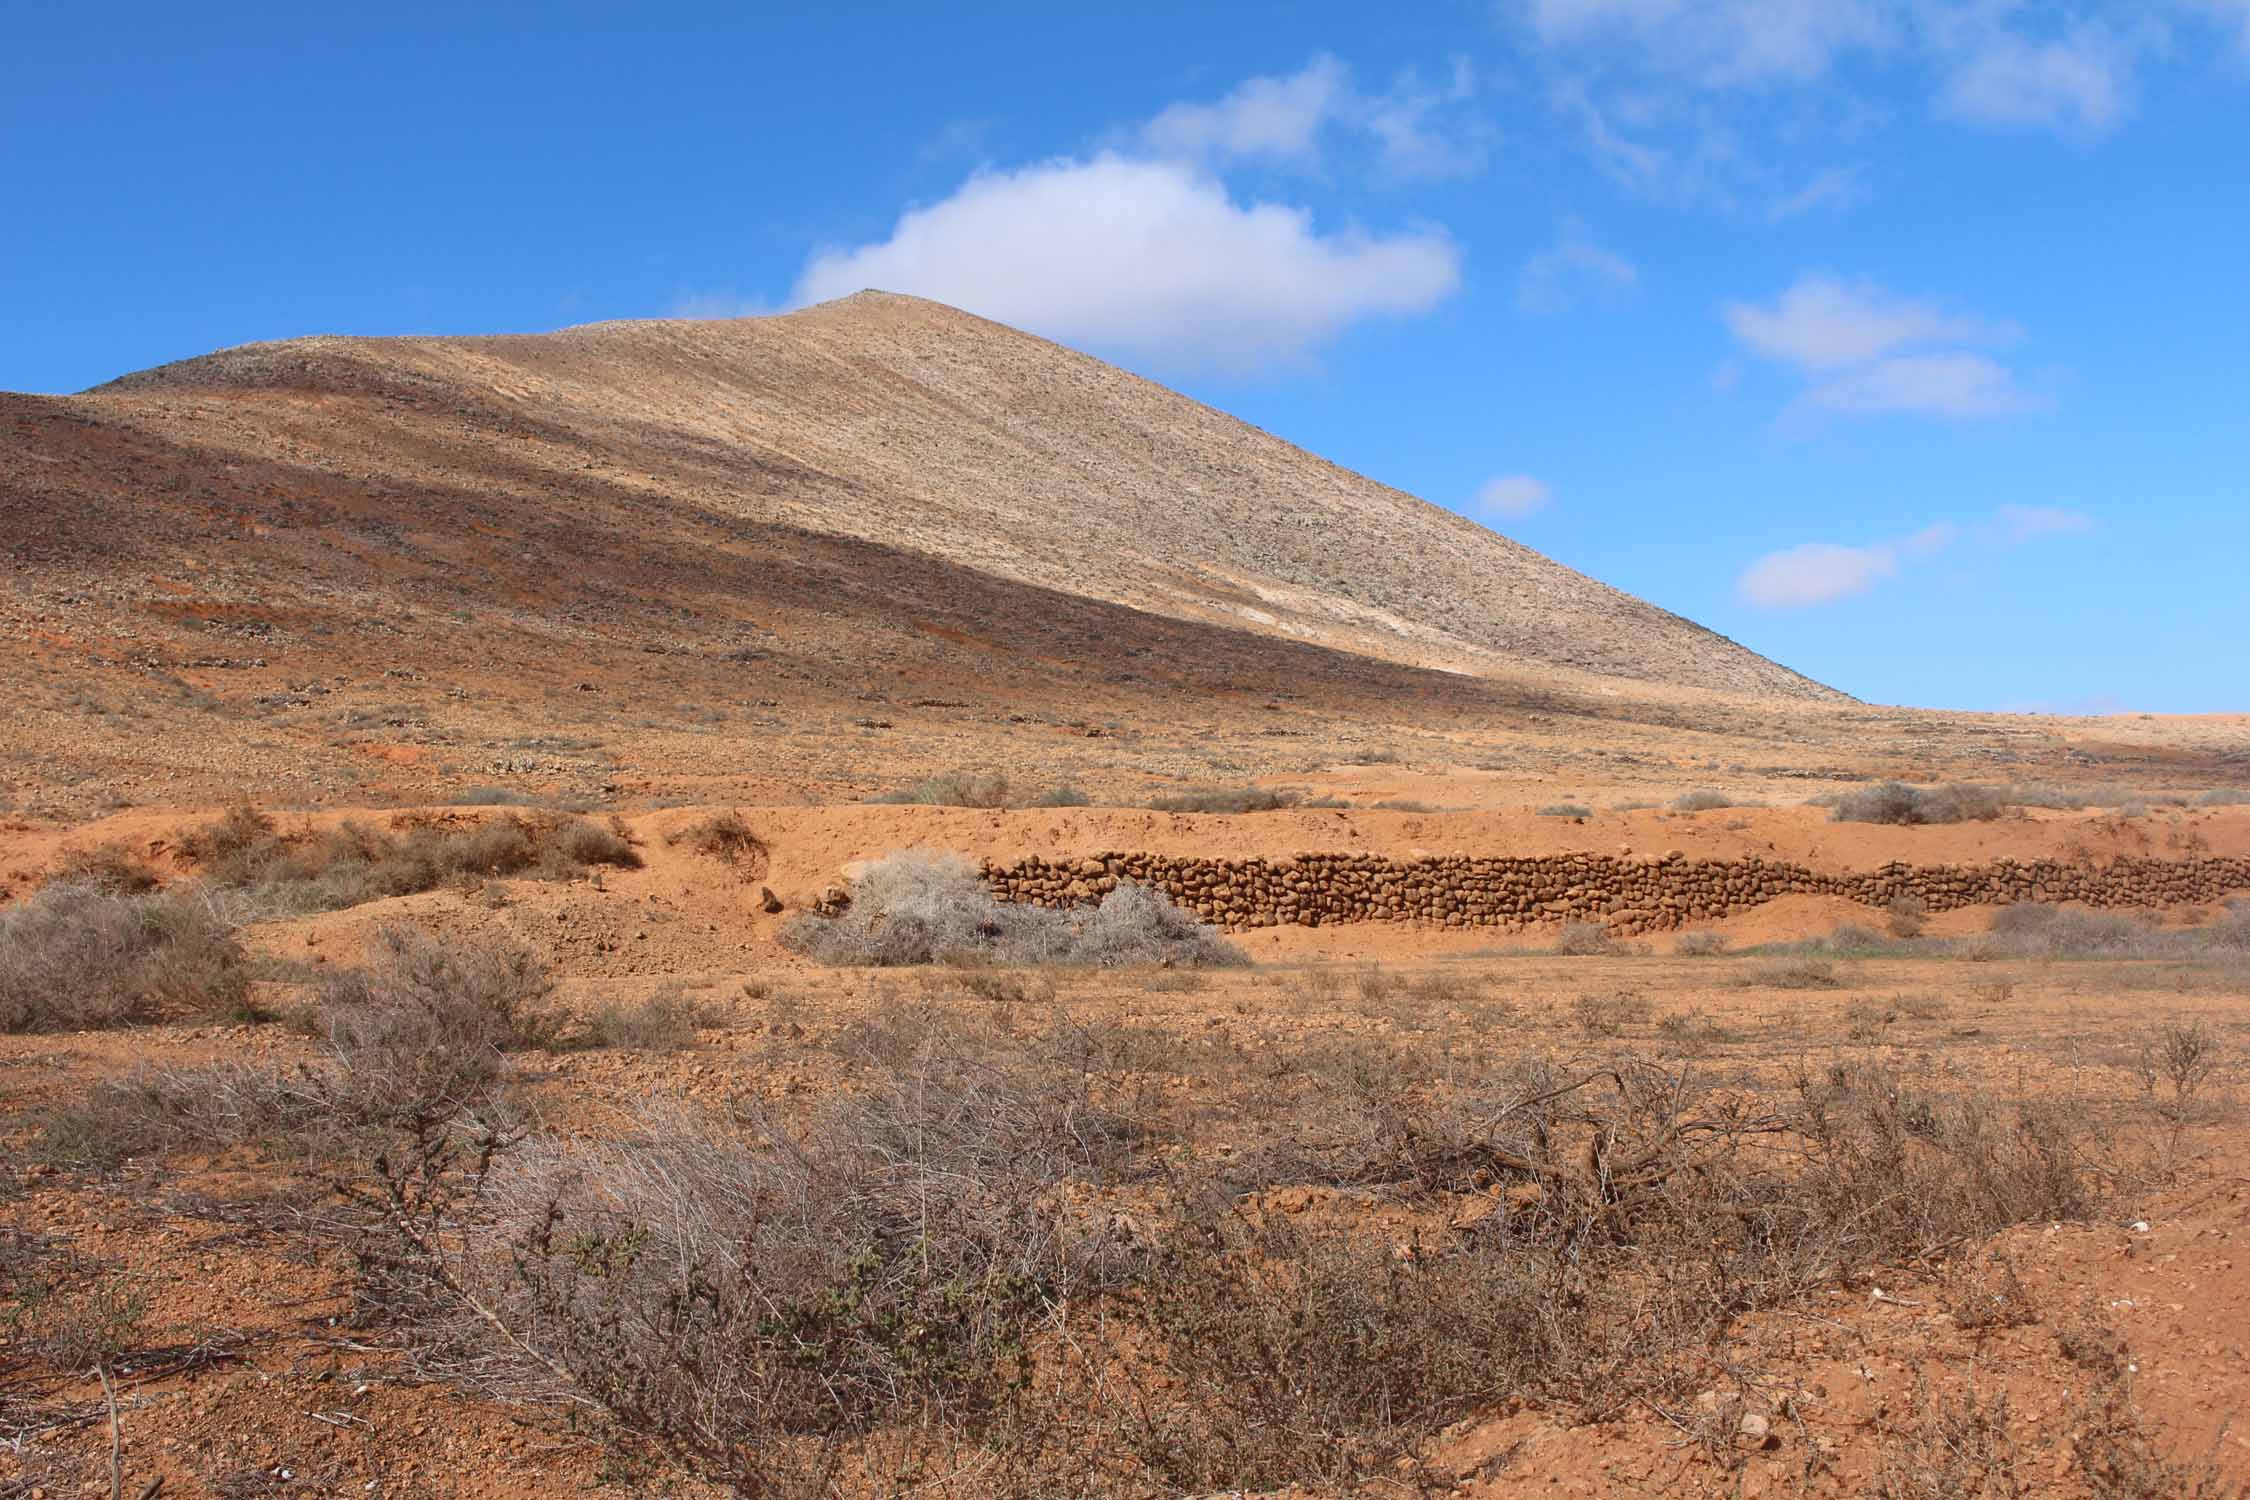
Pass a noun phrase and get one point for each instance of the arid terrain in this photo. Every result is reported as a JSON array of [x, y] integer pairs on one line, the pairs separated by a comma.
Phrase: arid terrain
[[485, 1008]]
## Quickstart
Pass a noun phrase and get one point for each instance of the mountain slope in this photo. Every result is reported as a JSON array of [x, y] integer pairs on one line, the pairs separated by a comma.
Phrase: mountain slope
[[915, 426]]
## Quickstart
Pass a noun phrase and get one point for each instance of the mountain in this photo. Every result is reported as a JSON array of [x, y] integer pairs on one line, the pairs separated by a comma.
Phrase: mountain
[[878, 499]]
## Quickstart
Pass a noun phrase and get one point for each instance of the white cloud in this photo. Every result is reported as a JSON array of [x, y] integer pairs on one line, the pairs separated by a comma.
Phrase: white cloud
[[1932, 385], [1512, 495], [1870, 352], [1279, 117], [1816, 573], [1825, 572], [1416, 128], [2075, 81], [1823, 322], [1556, 278], [2023, 523], [1150, 257]]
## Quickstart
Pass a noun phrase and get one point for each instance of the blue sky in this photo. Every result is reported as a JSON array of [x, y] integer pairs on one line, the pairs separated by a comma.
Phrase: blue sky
[[1903, 340]]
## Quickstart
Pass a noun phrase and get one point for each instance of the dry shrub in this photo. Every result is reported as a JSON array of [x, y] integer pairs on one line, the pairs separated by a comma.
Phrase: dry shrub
[[918, 908], [1585, 940], [110, 868], [1566, 810], [1906, 916], [1955, 1448], [666, 1021], [414, 1038], [1700, 944], [1247, 799], [74, 957], [938, 1258], [2176, 1061], [727, 838], [1897, 803], [1695, 802], [352, 863], [1306, 1354], [749, 1301], [1610, 1015]]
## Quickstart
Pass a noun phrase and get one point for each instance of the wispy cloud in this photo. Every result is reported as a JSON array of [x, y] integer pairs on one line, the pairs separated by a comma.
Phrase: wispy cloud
[[1830, 188], [1417, 128], [1572, 269], [2023, 523]]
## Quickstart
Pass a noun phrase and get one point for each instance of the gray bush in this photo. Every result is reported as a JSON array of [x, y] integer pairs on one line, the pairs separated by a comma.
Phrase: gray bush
[[1895, 802], [74, 957], [1565, 810], [922, 908]]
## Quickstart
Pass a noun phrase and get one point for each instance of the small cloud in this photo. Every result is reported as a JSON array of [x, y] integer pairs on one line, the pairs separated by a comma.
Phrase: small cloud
[[1954, 385], [1867, 351], [2075, 81], [2018, 524], [1271, 117], [1815, 573], [1824, 572], [1555, 279], [1152, 257], [1512, 495], [1822, 322]]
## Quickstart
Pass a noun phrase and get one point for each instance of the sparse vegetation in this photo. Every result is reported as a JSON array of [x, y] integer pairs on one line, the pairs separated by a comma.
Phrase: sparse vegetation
[[1700, 944], [352, 863], [952, 789], [1566, 810], [1704, 801], [1790, 973], [666, 1021], [1247, 799]]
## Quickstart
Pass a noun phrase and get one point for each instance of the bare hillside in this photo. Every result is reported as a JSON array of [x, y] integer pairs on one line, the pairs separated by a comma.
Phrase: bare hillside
[[916, 426]]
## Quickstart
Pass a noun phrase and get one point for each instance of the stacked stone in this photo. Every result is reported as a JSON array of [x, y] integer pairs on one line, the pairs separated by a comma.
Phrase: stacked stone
[[1627, 895]]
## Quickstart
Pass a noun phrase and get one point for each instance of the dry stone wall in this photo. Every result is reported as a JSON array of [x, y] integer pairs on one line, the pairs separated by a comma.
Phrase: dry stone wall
[[1627, 895]]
